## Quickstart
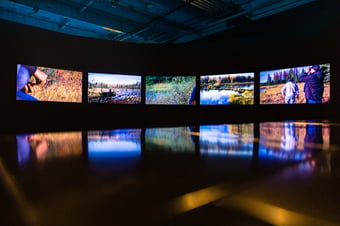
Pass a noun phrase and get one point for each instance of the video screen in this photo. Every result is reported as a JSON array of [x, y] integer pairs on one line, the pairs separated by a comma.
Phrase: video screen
[[170, 140], [46, 146], [170, 90], [114, 88], [297, 85], [36, 83], [227, 139], [227, 89]]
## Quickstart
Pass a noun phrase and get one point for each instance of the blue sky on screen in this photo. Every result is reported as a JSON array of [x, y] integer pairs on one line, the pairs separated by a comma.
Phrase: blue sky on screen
[[251, 74], [113, 78], [264, 74]]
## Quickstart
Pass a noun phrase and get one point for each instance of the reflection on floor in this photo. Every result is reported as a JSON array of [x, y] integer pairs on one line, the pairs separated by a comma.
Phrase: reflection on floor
[[268, 173]]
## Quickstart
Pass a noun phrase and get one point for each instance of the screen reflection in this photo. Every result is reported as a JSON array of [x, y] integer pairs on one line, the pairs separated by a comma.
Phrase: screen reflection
[[227, 139], [170, 139], [114, 148], [44, 146], [295, 140], [118, 141]]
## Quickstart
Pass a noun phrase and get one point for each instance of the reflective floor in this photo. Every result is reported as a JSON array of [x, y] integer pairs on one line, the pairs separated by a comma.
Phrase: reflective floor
[[268, 173]]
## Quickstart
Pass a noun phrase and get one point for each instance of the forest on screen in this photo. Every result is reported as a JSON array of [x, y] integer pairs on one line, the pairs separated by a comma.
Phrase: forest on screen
[[272, 82], [114, 88], [227, 89]]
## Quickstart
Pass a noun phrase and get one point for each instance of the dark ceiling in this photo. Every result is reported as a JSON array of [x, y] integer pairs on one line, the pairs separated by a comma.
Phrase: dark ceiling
[[142, 21]]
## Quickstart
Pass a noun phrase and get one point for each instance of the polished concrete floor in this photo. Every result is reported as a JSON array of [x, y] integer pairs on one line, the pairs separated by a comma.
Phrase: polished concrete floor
[[267, 173]]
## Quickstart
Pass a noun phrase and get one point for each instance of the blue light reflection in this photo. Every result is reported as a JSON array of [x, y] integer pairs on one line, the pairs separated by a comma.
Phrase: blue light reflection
[[117, 150], [291, 140], [232, 139], [110, 143]]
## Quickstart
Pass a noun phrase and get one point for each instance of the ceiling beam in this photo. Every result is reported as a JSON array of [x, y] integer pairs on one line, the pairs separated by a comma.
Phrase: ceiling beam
[[86, 5], [25, 15], [221, 23], [153, 21], [89, 15]]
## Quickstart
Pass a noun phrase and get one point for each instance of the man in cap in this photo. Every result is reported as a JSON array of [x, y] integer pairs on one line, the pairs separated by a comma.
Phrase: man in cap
[[314, 84]]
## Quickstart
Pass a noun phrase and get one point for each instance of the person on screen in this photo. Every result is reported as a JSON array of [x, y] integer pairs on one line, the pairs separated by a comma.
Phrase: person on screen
[[24, 86], [290, 91], [314, 84], [192, 100]]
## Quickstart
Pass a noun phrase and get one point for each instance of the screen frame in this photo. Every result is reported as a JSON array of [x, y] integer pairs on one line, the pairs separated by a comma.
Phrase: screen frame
[[112, 75], [26, 97], [301, 87], [252, 74]]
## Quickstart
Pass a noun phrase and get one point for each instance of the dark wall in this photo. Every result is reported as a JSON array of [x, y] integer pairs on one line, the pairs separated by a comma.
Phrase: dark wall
[[303, 36]]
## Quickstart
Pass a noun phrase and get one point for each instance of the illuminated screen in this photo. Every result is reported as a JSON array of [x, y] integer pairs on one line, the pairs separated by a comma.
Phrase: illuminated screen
[[170, 90], [170, 139], [114, 88], [44, 146], [297, 85], [232, 139], [35, 83], [227, 89]]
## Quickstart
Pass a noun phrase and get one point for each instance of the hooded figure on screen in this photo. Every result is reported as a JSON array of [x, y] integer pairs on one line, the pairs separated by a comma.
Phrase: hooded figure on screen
[[314, 84], [24, 85], [192, 100], [290, 91]]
